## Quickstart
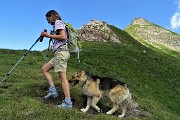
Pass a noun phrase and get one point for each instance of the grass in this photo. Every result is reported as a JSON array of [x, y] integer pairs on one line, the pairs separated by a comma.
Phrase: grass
[[154, 78]]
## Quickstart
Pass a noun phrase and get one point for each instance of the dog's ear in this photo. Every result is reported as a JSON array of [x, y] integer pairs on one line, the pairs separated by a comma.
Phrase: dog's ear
[[81, 73]]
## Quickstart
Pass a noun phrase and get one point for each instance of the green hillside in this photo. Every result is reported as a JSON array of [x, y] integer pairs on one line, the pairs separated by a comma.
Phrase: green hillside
[[154, 36], [154, 78]]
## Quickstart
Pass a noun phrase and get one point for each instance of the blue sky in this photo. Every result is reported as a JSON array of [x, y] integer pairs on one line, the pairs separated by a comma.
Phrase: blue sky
[[21, 21]]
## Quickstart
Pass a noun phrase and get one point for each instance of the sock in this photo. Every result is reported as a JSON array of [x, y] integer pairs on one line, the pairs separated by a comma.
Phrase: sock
[[68, 100], [52, 88]]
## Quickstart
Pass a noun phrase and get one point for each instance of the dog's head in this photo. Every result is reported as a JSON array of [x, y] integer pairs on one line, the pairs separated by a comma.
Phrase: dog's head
[[78, 77]]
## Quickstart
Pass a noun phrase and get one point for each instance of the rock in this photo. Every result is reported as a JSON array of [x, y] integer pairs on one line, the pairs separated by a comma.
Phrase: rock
[[97, 30]]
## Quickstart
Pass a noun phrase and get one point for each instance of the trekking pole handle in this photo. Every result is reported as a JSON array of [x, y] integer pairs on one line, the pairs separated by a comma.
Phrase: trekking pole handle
[[42, 36]]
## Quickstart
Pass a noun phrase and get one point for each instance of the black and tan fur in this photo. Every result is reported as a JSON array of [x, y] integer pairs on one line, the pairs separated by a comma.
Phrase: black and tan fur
[[94, 87]]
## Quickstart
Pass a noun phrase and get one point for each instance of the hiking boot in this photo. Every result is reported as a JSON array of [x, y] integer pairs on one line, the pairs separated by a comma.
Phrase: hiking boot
[[51, 93], [66, 103]]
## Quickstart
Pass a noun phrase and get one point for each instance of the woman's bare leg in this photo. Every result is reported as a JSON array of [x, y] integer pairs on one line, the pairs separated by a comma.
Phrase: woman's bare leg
[[47, 75]]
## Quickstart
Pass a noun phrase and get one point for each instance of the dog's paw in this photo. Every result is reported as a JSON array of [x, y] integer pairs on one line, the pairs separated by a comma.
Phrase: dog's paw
[[121, 116], [108, 113], [83, 110], [99, 110]]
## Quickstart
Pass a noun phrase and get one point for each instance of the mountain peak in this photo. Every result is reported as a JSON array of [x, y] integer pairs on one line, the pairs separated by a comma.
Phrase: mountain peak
[[97, 30], [140, 21], [151, 34], [95, 22]]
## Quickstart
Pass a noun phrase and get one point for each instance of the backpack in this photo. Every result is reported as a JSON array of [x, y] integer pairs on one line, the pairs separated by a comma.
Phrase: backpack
[[74, 44]]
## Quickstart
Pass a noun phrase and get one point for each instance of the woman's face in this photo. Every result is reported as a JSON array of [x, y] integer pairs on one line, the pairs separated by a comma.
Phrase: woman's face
[[50, 21]]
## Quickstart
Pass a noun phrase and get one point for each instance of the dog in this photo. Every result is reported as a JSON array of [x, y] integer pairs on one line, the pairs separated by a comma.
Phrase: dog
[[95, 87]]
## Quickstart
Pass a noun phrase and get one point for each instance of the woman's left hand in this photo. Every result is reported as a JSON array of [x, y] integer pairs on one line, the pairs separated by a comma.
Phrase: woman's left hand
[[45, 34]]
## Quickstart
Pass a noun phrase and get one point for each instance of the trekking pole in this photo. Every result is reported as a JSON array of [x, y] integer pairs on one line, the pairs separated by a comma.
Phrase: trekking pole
[[47, 55], [39, 39]]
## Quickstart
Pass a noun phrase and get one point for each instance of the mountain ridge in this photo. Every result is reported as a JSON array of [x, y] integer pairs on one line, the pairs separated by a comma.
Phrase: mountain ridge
[[145, 32], [152, 34]]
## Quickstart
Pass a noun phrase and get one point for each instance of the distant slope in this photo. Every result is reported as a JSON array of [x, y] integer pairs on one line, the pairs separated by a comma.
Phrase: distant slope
[[152, 35]]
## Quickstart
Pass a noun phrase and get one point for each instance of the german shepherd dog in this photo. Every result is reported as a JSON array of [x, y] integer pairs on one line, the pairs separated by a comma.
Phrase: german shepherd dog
[[94, 87]]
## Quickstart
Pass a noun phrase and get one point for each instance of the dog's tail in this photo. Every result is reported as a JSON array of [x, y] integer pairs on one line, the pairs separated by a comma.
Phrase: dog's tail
[[131, 103]]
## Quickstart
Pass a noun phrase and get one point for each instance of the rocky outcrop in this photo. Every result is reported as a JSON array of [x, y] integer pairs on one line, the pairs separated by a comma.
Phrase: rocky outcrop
[[97, 30], [153, 34], [140, 29]]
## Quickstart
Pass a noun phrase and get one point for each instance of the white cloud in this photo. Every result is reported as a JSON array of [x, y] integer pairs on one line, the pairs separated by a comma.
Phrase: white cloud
[[178, 5], [175, 19]]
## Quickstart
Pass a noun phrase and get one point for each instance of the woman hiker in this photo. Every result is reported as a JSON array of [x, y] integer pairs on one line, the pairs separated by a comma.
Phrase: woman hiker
[[59, 61]]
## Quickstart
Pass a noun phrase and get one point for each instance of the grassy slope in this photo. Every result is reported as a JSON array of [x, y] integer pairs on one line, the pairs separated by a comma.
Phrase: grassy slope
[[156, 46], [153, 77]]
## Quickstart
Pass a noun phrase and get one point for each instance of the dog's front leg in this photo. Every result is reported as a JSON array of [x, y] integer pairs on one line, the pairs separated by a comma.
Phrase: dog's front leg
[[89, 101], [95, 100]]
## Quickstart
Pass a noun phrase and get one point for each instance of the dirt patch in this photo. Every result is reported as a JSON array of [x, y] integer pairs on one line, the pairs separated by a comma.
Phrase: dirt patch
[[137, 112]]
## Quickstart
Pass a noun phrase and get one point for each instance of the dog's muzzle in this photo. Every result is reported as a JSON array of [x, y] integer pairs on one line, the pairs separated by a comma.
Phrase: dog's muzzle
[[74, 82]]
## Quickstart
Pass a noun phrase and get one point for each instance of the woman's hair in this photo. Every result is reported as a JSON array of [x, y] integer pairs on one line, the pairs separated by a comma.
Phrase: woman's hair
[[53, 15]]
